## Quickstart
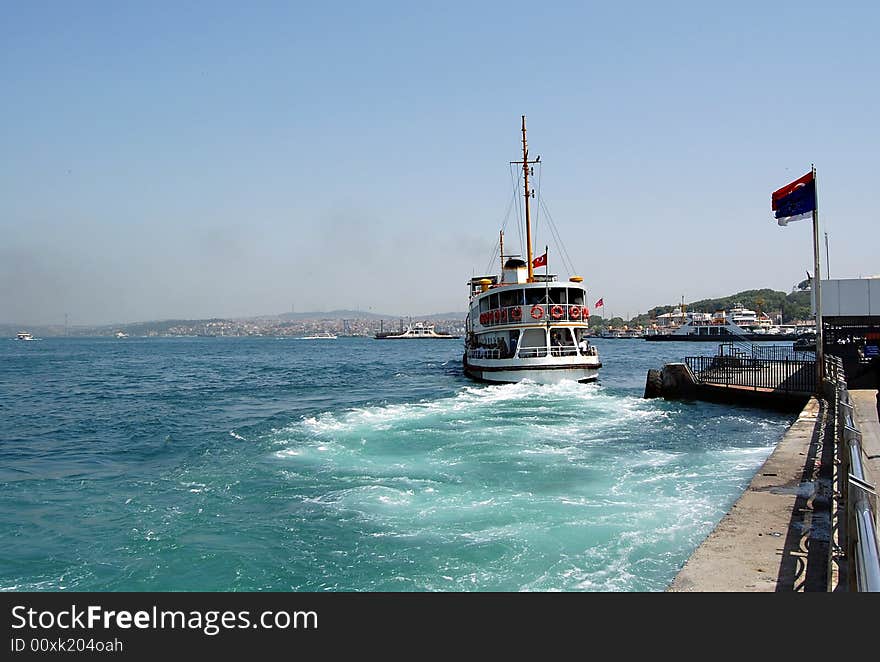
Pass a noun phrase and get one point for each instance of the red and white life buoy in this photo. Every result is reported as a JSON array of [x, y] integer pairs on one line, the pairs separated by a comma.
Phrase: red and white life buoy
[[497, 315], [537, 312], [574, 312], [516, 313], [557, 311], [586, 313]]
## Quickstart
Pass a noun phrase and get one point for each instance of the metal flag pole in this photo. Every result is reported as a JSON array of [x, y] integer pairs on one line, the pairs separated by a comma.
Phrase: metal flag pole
[[817, 292]]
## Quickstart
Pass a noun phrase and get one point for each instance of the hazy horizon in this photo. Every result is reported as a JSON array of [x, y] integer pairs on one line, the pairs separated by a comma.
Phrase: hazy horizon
[[189, 162]]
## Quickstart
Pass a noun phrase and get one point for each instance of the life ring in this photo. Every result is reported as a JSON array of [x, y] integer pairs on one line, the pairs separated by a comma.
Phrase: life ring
[[557, 311], [537, 312], [586, 313], [497, 315], [574, 312], [516, 313], [482, 318]]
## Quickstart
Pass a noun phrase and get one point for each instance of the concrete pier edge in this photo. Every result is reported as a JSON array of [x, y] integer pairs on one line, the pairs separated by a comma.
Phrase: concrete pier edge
[[763, 544]]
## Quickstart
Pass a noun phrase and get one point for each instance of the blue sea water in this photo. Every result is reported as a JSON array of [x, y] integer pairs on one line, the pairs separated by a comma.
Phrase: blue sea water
[[263, 464]]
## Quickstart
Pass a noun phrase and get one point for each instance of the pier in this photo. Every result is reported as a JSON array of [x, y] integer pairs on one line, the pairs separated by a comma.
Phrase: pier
[[808, 519], [772, 377]]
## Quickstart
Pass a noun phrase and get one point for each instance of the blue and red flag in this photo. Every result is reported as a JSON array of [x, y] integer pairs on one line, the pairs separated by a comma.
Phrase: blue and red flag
[[795, 201]]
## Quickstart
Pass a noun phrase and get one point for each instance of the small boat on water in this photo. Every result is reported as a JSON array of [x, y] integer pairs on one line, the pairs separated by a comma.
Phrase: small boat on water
[[527, 326], [24, 335], [416, 331], [321, 335]]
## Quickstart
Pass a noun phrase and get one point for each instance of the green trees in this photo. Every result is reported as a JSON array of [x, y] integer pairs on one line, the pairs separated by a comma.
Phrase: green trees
[[793, 306]]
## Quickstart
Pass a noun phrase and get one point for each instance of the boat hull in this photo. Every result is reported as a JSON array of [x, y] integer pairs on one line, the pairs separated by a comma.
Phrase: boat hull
[[540, 374]]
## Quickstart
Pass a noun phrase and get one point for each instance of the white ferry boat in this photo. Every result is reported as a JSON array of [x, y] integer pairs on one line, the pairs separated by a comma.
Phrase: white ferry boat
[[525, 326], [321, 335], [416, 331], [24, 335], [736, 323]]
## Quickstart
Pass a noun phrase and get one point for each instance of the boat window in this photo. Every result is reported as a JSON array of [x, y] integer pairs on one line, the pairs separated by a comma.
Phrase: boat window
[[511, 298], [557, 295], [575, 297], [493, 301], [533, 338], [535, 295], [561, 337], [484, 304]]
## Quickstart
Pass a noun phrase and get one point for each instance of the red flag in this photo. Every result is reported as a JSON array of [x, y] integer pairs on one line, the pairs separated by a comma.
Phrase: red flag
[[540, 261], [599, 303]]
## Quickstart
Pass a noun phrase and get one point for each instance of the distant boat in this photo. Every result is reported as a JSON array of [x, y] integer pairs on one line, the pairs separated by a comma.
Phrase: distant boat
[[121, 334], [323, 335], [415, 331], [24, 335]]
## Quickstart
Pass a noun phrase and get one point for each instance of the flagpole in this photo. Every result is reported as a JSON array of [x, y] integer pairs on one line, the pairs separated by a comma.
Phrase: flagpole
[[817, 292]]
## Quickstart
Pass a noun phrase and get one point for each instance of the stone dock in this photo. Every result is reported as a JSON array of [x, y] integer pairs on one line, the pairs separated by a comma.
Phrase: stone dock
[[781, 535]]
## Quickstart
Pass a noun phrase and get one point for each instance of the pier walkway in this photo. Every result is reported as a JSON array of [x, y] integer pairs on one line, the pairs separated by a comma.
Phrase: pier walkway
[[780, 535], [866, 416]]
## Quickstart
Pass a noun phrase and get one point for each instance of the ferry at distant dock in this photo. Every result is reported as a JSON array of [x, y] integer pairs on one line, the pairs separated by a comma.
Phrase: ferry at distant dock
[[736, 323], [527, 326]]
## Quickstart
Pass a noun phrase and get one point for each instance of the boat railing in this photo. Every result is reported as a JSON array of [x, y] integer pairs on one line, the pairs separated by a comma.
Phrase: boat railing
[[534, 313], [563, 351], [532, 352], [484, 353]]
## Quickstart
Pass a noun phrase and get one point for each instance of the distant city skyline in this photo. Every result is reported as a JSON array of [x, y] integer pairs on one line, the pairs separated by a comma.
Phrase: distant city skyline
[[227, 160]]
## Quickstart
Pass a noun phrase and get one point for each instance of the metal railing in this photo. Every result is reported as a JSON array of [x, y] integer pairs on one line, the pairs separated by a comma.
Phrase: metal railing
[[859, 496], [484, 353], [532, 352], [765, 352], [735, 369], [534, 313], [567, 350]]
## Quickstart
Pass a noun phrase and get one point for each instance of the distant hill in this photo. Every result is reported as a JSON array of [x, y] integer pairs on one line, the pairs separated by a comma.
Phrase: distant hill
[[361, 314], [793, 306]]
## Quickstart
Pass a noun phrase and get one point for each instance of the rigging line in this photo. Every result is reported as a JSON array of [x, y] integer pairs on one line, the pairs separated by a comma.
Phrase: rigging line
[[565, 256], [563, 250], [538, 206], [519, 209], [503, 226]]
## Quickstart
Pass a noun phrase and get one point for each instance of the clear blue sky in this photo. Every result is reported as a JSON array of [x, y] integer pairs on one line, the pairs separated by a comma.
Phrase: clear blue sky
[[195, 159]]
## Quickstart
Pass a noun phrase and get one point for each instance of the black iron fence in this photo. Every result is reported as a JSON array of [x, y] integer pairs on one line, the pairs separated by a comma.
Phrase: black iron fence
[[783, 372]]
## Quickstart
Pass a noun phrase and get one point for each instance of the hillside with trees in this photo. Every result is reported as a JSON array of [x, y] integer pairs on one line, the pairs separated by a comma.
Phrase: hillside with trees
[[792, 307]]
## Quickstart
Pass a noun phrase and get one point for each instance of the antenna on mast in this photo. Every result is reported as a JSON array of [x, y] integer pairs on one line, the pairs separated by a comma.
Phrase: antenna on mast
[[527, 193]]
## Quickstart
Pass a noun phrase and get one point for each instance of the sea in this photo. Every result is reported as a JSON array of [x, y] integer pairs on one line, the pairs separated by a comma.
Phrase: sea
[[355, 464]]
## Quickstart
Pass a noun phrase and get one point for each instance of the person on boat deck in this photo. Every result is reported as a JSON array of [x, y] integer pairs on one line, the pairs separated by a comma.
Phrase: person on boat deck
[[556, 339], [502, 347], [584, 345]]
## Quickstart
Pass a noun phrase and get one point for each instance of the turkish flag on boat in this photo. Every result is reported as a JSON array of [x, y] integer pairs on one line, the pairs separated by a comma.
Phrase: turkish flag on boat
[[540, 261], [599, 303]]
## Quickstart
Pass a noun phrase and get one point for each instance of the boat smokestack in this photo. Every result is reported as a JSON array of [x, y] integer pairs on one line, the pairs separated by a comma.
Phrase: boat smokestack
[[515, 271]]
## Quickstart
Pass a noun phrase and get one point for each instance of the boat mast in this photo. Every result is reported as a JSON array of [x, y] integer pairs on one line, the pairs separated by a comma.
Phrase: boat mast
[[501, 251], [527, 193]]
